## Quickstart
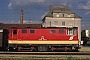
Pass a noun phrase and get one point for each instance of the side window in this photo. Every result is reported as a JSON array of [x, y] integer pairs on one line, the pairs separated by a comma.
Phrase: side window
[[24, 31], [52, 31], [61, 31], [14, 32], [32, 31]]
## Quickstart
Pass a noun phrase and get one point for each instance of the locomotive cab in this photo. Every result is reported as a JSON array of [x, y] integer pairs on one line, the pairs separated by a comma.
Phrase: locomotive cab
[[13, 37]]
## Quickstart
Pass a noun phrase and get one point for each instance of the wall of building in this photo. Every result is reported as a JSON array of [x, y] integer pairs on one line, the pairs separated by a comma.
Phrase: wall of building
[[69, 22]]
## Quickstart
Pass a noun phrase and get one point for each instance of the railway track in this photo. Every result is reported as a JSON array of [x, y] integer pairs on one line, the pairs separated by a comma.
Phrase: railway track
[[46, 53], [43, 55]]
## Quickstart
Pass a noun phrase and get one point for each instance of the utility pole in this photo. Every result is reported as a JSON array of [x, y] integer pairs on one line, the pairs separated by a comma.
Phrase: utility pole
[[21, 16]]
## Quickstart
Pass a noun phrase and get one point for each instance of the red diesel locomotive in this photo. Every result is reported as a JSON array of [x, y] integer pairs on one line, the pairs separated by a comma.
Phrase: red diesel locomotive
[[43, 39]]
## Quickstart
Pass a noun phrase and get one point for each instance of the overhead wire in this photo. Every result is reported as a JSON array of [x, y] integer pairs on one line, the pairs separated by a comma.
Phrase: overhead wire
[[16, 9]]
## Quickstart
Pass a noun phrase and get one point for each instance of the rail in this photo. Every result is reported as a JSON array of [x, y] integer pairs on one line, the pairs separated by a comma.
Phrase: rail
[[47, 53]]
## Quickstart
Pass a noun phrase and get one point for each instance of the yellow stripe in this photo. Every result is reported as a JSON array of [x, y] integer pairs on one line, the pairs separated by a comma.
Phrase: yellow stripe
[[42, 42]]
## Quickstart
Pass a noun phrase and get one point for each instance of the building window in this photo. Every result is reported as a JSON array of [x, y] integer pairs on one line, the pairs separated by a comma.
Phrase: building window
[[61, 31], [53, 31], [32, 31], [24, 31], [55, 22], [70, 23], [62, 15], [63, 23], [69, 15], [57, 15], [50, 23], [71, 31]]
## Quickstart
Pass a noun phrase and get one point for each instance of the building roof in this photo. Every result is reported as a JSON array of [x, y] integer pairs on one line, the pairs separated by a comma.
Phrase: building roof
[[61, 9]]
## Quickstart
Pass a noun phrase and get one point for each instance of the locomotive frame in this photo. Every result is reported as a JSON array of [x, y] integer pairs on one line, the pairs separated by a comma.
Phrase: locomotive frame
[[43, 39]]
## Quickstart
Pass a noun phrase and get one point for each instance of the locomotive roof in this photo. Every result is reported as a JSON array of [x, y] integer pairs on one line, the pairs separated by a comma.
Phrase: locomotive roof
[[43, 27]]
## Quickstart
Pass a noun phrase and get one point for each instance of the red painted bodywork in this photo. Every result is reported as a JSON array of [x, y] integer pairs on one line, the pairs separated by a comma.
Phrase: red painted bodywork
[[41, 34]]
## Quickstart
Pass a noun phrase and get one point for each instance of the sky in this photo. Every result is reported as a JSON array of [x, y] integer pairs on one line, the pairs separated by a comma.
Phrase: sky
[[35, 10]]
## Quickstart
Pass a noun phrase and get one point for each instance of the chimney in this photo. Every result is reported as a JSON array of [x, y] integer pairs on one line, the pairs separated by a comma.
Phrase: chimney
[[21, 16], [50, 7]]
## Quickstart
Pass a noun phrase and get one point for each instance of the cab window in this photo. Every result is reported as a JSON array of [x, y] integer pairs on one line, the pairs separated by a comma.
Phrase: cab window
[[71, 31], [14, 32], [74, 31]]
